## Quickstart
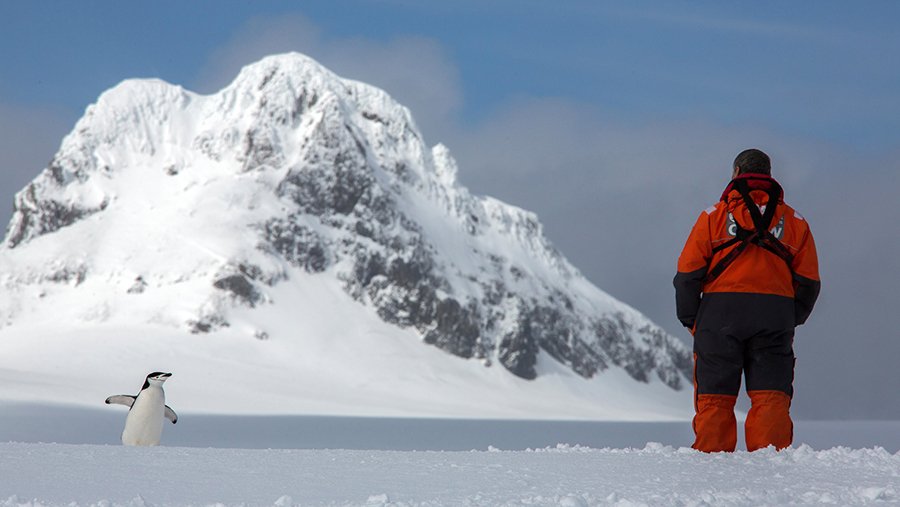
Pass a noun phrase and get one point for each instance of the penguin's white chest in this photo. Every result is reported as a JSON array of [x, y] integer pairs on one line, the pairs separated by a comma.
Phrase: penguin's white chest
[[144, 423]]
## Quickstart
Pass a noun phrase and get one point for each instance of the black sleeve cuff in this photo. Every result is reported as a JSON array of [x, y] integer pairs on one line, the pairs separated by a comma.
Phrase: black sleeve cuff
[[806, 293], [688, 288]]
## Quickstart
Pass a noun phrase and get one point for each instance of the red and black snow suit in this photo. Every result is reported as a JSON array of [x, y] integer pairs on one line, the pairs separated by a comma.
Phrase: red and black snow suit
[[747, 276]]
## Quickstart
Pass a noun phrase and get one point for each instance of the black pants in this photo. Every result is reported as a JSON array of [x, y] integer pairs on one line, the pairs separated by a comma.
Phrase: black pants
[[744, 334]]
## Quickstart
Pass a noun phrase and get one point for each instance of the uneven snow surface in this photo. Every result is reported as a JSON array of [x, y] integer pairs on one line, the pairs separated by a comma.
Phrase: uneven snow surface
[[302, 460], [56, 474]]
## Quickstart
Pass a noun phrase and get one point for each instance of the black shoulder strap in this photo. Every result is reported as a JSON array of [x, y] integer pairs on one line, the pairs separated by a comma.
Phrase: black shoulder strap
[[726, 261], [760, 236], [761, 221]]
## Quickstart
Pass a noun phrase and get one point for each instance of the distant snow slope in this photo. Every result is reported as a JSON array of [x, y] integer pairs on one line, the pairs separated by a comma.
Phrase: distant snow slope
[[291, 244], [54, 474], [382, 372]]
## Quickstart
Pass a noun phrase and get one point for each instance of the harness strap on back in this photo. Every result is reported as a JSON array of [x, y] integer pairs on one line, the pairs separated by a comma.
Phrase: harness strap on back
[[761, 236]]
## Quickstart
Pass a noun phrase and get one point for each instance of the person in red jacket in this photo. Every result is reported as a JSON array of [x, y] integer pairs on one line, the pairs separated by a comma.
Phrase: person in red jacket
[[748, 275]]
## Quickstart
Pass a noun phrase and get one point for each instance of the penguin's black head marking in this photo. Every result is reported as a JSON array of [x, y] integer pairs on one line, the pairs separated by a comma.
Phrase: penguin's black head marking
[[157, 376]]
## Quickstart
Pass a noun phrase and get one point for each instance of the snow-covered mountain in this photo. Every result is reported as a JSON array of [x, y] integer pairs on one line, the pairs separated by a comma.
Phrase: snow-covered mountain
[[295, 228]]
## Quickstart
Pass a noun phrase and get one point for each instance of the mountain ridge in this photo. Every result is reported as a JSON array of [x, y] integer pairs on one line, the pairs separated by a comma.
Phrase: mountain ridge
[[287, 170]]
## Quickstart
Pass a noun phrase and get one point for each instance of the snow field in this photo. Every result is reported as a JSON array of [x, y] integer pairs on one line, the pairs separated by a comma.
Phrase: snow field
[[74, 475], [352, 365]]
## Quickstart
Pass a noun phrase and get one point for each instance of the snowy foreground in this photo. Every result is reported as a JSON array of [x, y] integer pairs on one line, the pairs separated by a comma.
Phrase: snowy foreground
[[63, 474], [211, 459]]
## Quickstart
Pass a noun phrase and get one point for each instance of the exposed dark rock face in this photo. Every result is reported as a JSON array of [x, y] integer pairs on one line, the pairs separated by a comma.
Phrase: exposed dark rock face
[[456, 329], [239, 287], [42, 216], [71, 275], [207, 324], [138, 287], [518, 350], [299, 245]]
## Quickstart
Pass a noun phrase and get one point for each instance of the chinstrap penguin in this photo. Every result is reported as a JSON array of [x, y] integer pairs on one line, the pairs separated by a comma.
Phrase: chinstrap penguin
[[144, 423]]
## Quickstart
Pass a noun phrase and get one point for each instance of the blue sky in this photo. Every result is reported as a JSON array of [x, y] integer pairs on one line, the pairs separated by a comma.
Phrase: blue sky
[[615, 121], [789, 64]]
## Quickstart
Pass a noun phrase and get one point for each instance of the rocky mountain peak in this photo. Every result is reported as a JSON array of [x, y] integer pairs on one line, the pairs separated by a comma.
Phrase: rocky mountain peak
[[171, 208]]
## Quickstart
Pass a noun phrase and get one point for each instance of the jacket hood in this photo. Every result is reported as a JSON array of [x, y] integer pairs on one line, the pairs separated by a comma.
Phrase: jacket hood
[[755, 182], [760, 185]]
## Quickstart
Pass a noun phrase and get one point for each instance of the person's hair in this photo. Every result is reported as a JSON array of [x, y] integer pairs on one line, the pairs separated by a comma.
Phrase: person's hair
[[753, 161]]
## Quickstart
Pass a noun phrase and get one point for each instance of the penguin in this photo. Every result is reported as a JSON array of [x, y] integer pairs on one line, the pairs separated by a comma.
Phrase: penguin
[[144, 423]]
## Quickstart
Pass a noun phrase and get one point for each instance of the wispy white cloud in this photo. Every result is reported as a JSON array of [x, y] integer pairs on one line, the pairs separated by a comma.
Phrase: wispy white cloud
[[259, 37], [415, 70]]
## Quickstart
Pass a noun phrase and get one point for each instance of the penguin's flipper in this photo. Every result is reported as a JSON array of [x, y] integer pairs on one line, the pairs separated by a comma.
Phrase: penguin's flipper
[[170, 415], [121, 399]]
